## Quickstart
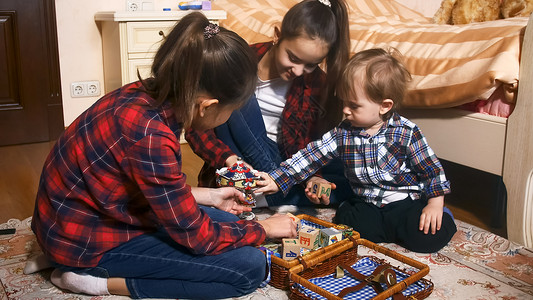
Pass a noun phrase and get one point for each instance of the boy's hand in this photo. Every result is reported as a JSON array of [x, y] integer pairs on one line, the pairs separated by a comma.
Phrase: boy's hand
[[324, 199], [279, 226], [267, 184], [431, 217]]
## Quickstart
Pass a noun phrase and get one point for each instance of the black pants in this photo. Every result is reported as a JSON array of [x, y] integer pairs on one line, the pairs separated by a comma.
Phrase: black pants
[[397, 222]]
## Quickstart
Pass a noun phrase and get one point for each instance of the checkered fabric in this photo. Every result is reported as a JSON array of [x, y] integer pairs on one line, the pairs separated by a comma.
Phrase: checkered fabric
[[396, 159], [311, 224], [365, 266]]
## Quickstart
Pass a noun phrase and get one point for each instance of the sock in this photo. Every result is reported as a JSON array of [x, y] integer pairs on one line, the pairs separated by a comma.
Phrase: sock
[[37, 264], [80, 284]]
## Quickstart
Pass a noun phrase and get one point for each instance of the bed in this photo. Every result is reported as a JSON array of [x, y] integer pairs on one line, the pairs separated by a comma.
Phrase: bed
[[452, 68]]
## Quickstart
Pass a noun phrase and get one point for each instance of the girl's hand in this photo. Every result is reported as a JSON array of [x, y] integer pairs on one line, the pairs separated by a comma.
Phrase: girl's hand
[[267, 184], [279, 226], [431, 217], [324, 199], [233, 160], [228, 199]]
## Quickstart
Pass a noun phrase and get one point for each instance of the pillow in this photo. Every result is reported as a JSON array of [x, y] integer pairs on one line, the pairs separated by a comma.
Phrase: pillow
[[450, 64]]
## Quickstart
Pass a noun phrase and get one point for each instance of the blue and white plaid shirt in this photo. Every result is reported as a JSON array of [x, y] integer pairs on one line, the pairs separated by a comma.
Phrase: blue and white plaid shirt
[[396, 159]]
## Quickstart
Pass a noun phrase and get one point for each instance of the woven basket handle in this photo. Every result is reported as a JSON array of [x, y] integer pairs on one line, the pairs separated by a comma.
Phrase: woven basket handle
[[368, 280]]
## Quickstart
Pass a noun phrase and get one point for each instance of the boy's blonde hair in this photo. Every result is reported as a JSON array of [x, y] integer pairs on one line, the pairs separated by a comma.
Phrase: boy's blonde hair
[[382, 76]]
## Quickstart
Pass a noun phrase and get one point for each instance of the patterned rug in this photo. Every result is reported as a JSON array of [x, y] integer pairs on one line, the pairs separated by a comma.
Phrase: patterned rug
[[475, 265]]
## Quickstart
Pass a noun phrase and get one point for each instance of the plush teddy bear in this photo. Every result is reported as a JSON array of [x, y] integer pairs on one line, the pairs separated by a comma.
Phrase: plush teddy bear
[[516, 8], [468, 11]]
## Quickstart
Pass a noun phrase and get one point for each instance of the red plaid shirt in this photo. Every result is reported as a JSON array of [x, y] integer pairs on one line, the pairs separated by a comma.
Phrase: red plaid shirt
[[299, 118], [115, 174]]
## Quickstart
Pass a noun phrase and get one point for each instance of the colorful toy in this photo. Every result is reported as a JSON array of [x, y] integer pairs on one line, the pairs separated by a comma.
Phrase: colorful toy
[[243, 179], [320, 189], [296, 220], [291, 249], [346, 230], [329, 236], [308, 237], [190, 5]]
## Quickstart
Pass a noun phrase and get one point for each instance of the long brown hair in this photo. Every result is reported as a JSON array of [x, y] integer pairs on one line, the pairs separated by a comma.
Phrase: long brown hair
[[188, 62], [315, 20]]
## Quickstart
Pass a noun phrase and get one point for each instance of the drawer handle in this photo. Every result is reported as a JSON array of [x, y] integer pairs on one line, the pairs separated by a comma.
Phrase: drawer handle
[[161, 33]]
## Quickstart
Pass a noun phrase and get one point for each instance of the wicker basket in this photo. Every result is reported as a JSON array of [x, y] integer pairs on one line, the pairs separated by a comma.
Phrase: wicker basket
[[325, 264], [280, 267]]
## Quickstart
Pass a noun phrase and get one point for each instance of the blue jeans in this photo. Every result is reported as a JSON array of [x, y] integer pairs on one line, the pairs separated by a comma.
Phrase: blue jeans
[[155, 266], [245, 134]]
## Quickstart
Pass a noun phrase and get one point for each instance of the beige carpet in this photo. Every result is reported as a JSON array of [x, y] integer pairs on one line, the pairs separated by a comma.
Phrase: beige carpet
[[475, 265]]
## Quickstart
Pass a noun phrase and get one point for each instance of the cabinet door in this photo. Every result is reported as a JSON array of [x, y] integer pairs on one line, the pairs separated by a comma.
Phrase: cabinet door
[[141, 65], [147, 36]]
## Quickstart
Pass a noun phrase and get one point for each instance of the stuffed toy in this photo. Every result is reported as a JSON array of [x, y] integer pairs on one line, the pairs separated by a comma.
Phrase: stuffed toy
[[457, 12], [516, 8]]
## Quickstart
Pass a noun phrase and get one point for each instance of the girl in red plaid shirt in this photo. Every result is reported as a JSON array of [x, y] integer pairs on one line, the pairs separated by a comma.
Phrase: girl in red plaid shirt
[[114, 213], [293, 104]]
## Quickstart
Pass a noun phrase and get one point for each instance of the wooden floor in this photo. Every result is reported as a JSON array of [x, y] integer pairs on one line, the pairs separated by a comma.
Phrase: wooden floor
[[20, 168]]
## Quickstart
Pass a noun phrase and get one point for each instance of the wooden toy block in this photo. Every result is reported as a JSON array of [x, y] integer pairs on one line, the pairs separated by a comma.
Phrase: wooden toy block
[[346, 230], [296, 220], [309, 237], [291, 249], [329, 236], [320, 189]]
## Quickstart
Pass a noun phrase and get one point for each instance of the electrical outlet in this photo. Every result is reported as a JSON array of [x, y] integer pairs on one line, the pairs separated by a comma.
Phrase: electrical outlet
[[138, 5], [85, 89], [77, 90], [93, 88], [133, 5]]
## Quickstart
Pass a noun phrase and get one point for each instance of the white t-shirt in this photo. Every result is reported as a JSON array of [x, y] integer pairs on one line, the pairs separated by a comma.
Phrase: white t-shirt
[[271, 98]]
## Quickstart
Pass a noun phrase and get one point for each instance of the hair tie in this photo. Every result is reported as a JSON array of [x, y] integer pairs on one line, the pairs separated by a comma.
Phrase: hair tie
[[211, 30], [325, 2]]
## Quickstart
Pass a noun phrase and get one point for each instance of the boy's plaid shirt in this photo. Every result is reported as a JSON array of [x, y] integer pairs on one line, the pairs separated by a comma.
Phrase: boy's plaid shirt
[[397, 158]]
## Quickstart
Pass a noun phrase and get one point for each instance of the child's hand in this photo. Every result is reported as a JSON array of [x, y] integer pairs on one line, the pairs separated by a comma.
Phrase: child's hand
[[228, 199], [431, 217], [230, 161], [279, 226], [324, 199], [267, 184]]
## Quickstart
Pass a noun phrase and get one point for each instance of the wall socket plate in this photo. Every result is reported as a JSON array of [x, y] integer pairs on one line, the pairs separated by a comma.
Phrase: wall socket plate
[[85, 89], [139, 5]]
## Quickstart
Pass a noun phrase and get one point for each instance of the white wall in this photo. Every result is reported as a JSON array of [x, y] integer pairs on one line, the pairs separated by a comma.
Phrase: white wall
[[427, 7], [80, 47]]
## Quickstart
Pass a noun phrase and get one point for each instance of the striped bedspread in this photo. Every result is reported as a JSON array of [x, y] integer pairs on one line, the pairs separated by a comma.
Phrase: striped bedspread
[[451, 64]]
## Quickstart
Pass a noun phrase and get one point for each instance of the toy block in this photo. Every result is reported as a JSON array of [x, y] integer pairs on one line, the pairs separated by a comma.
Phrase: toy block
[[315, 188], [309, 237], [320, 189], [346, 230], [291, 249], [329, 236], [325, 189], [296, 220]]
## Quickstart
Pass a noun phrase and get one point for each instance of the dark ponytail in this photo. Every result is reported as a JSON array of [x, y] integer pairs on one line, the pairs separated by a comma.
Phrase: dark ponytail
[[187, 62]]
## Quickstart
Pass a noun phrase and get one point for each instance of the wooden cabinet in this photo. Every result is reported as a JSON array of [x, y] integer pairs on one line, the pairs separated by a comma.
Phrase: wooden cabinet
[[131, 39]]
